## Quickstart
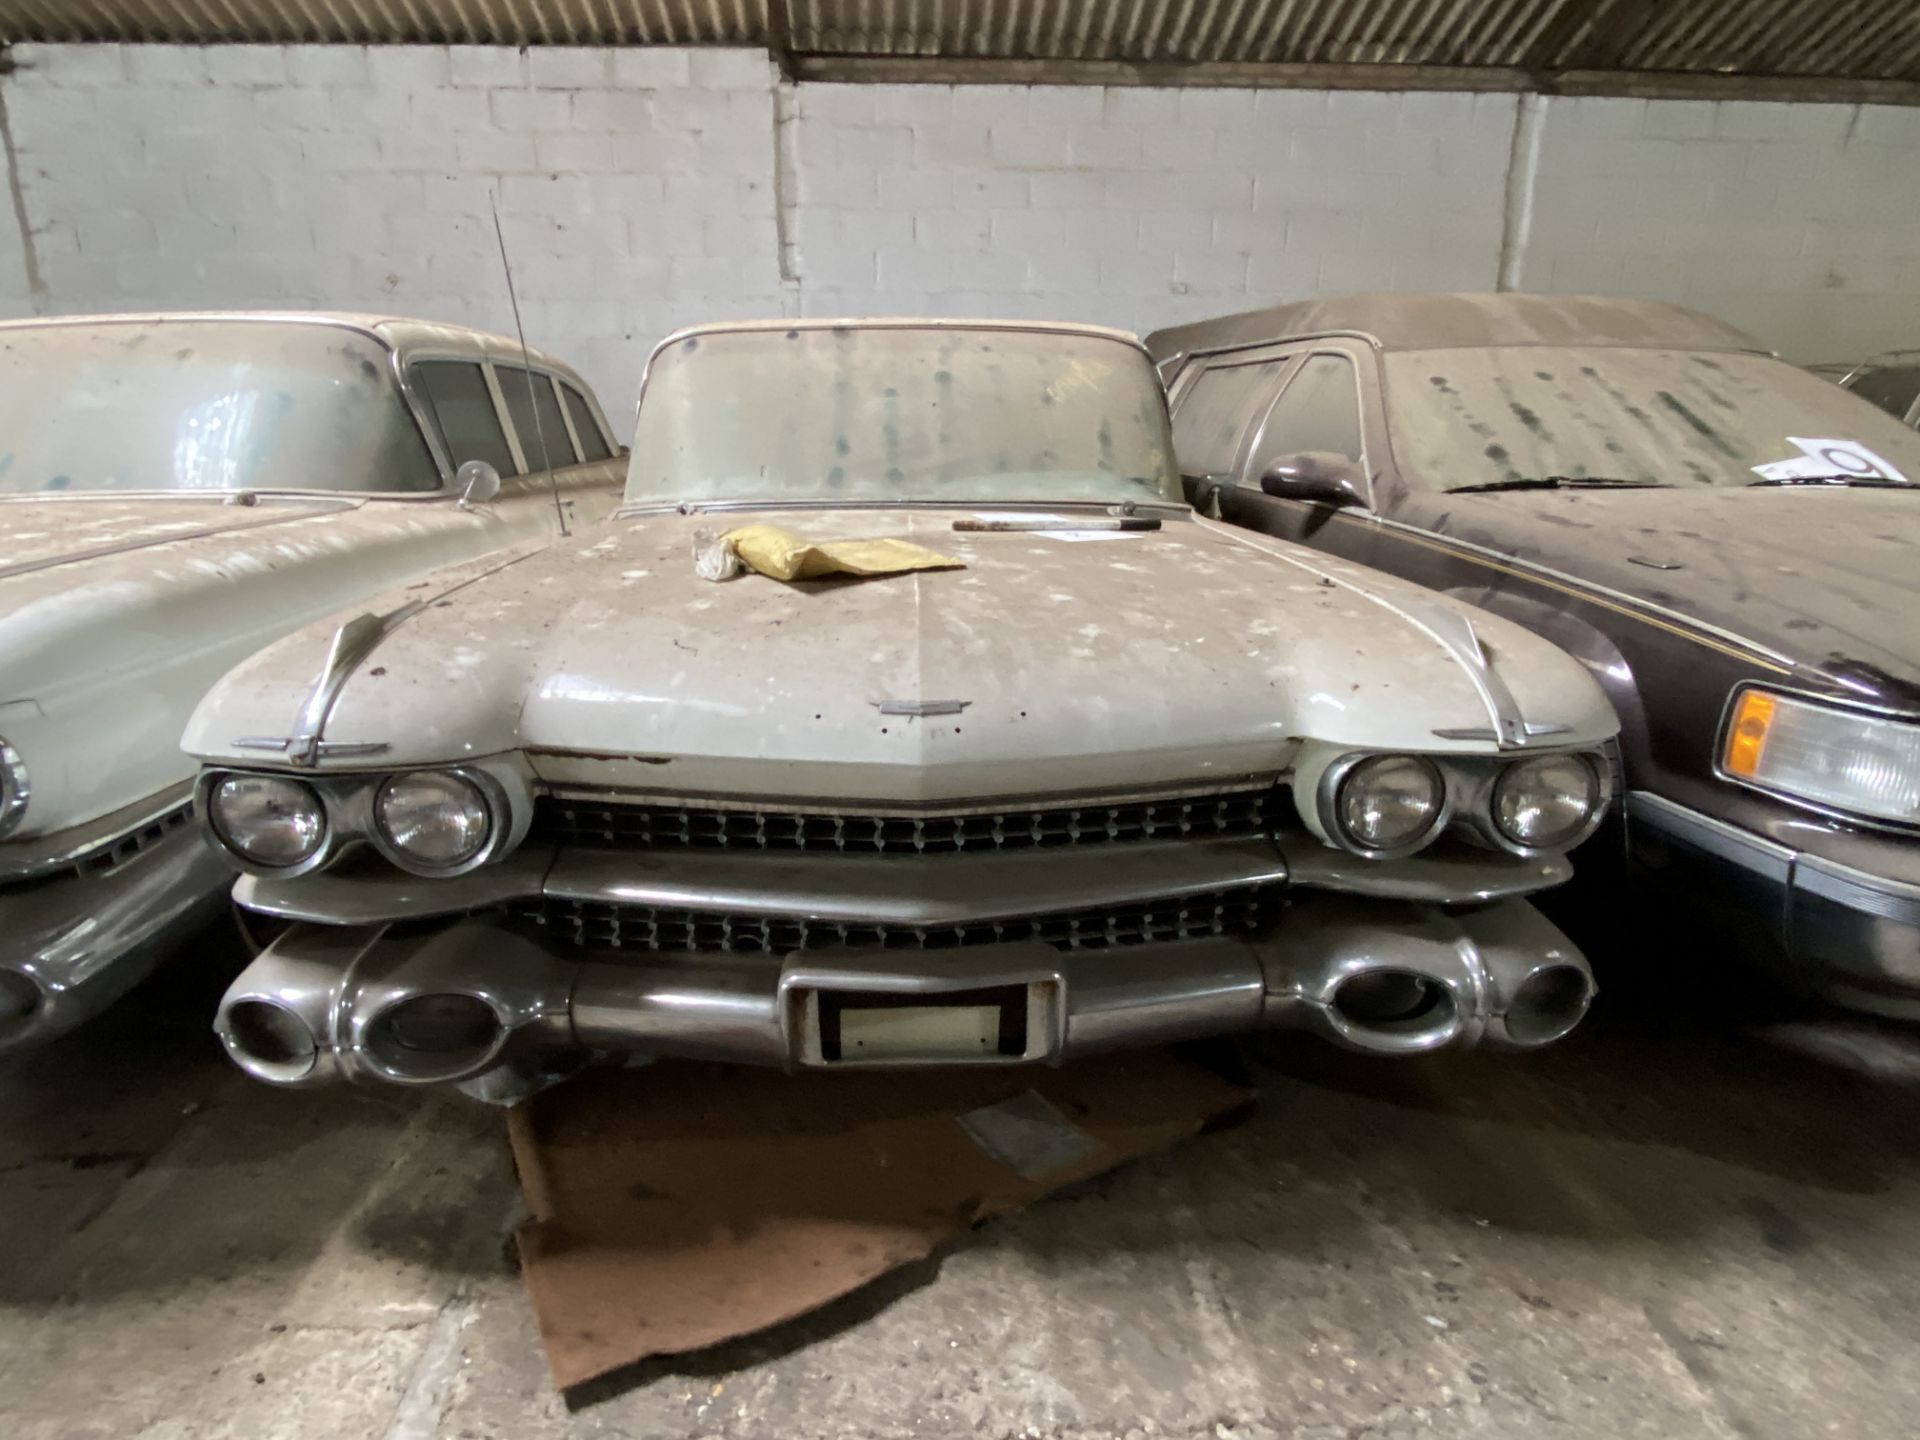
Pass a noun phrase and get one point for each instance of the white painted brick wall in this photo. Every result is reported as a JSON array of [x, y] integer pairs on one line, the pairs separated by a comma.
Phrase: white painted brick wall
[[639, 189]]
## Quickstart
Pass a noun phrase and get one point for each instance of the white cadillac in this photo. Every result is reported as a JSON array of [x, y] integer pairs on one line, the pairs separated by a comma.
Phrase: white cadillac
[[1116, 774], [175, 492]]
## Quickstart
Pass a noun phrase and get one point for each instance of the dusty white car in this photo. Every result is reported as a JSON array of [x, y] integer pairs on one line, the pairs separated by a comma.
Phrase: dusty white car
[[175, 492], [1118, 774]]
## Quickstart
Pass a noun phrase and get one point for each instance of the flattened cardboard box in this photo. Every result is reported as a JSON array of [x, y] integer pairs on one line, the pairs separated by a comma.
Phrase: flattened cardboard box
[[680, 1205]]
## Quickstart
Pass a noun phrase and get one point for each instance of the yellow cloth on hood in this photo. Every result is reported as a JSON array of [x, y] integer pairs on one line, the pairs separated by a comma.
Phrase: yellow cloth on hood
[[782, 555]]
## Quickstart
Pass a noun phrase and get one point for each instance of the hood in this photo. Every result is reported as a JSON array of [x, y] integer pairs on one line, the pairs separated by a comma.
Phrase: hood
[[53, 532], [1824, 577], [1189, 653]]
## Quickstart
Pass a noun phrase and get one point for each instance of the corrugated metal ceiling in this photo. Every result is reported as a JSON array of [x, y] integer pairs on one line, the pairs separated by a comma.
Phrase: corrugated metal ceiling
[[1829, 39]]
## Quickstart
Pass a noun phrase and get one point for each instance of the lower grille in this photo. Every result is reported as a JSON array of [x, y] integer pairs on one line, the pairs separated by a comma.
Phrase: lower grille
[[605, 825], [602, 925]]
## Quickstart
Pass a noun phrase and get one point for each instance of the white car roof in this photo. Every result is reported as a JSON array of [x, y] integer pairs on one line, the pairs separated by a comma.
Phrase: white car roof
[[399, 333]]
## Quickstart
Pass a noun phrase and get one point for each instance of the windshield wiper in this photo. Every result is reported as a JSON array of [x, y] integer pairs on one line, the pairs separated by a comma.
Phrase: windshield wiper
[[1557, 482], [1871, 482]]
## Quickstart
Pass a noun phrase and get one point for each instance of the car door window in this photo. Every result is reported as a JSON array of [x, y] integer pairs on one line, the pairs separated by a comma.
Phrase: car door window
[[1892, 388], [456, 393], [1319, 410], [593, 445], [543, 407], [1214, 414]]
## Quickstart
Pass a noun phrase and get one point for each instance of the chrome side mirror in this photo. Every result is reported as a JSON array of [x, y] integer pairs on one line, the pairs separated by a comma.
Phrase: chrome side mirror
[[1322, 476], [479, 482]]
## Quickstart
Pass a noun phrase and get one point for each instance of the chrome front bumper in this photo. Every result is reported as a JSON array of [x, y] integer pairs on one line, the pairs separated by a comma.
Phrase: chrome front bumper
[[362, 1003], [75, 940], [1850, 936]]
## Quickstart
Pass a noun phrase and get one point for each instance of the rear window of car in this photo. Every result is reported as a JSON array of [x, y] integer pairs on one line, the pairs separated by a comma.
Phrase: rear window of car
[[456, 393], [537, 421], [593, 445]]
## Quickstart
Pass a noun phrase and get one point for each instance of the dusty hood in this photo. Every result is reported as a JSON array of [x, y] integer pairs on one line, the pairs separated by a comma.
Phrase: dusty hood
[[1182, 654], [44, 534], [1827, 577]]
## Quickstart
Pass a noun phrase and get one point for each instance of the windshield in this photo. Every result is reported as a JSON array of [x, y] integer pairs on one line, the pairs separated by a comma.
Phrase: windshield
[[872, 413], [203, 405], [1669, 417]]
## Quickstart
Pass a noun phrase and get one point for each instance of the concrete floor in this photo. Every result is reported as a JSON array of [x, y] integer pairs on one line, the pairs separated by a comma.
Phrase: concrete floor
[[1650, 1231]]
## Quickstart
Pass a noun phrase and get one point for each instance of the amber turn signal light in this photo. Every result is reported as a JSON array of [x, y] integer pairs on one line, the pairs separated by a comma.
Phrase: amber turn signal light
[[1747, 734]]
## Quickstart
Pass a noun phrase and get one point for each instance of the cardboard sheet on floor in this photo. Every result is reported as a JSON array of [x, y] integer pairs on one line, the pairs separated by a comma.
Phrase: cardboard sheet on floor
[[680, 1205]]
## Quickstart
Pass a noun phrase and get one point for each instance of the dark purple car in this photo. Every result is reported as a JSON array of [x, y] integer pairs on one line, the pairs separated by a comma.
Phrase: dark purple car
[[1729, 542]]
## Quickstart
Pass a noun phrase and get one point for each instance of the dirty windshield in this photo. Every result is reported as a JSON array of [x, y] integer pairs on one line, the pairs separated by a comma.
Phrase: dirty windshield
[[203, 405], [909, 414], [1667, 417]]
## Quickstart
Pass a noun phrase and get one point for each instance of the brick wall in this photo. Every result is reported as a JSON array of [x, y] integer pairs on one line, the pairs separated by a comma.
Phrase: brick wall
[[639, 189]]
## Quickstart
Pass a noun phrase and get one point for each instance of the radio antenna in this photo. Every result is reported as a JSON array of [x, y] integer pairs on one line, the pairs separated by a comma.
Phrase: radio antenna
[[526, 365]]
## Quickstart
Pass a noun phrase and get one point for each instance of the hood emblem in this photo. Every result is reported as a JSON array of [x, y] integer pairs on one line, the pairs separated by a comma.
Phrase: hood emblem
[[352, 643], [920, 708]]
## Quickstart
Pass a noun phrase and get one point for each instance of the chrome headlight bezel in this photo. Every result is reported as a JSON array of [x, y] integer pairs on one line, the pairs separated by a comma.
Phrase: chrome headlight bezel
[[208, 804], [493, 801], [1332, 786], [1828, 710], [15, 792], [349, 799], [1467, 813], [1597, 791]]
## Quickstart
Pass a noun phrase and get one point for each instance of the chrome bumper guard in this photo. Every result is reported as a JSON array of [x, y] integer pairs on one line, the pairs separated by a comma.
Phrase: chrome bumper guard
[[478, 1002], [71, 943]]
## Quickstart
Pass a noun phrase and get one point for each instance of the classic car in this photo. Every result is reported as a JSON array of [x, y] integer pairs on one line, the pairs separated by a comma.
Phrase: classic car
[[1113, 774], [1727, 541], [175, 492], [1891, 381]]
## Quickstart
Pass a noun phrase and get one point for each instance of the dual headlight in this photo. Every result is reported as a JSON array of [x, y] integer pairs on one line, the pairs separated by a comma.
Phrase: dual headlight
[[1844, 760], [431, 821], [1385, 806]]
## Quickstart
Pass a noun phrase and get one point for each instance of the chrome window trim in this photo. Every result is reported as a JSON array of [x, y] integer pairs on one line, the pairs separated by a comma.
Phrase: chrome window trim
[[1288, 379], [1788, 797]]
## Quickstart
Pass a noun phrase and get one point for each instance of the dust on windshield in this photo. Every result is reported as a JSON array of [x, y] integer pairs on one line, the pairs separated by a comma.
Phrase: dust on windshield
[[901, 413], [196, 405], [1655, 417]]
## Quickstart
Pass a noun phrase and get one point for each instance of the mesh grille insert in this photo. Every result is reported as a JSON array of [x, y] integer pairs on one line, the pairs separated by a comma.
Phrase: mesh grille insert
[[604, 925], [622, 826]]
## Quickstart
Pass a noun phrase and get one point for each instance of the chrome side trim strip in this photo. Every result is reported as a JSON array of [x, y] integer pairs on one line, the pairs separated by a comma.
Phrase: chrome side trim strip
[[41, 854], [1716, 837], [1563, 577], [150, 542]]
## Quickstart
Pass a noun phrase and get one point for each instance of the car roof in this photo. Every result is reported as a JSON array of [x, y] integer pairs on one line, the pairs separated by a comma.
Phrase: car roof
[[397, 332], [1461, 321], [906, 322]]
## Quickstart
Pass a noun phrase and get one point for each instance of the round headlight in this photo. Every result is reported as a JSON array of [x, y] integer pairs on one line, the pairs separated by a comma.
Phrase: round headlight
[[267, 820], [1546, 802], [1389, 803], [433, 817], [13, 787]]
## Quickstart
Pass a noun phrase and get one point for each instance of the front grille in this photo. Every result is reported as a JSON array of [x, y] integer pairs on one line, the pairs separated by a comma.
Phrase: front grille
[[603, 825], [602, 925]]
